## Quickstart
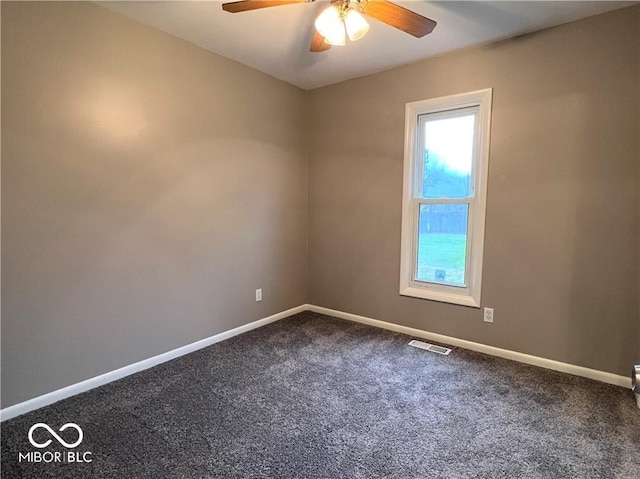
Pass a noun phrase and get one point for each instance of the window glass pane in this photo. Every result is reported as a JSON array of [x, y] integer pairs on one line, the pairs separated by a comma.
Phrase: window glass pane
[[442, 244], [448, 154]]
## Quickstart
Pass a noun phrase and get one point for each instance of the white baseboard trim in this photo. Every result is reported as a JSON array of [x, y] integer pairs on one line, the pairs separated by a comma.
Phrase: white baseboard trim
[[72, 390], [482, 348]]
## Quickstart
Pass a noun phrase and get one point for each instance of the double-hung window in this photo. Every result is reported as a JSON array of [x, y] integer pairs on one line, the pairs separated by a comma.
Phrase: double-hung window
[[445, 186]]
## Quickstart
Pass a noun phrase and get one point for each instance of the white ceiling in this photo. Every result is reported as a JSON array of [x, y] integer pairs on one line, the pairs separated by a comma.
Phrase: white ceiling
[[276, 40]]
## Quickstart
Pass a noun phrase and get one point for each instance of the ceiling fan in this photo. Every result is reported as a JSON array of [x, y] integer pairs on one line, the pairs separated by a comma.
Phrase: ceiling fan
[[343, 18]]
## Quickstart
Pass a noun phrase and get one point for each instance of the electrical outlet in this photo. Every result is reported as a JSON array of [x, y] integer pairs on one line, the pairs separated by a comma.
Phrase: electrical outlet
[[259, 294], [488, 315]]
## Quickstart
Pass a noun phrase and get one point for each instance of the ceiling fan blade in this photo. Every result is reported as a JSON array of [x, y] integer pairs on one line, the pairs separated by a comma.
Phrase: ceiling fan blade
[[399, 17], [318, 44], [246, 5]]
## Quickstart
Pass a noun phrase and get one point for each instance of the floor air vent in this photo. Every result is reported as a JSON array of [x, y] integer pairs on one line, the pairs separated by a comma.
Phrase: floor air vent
[[430, 347]]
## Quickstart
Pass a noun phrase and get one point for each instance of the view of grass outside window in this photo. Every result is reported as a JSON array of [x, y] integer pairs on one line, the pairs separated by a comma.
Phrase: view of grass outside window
[[442, 244], [445, 193]]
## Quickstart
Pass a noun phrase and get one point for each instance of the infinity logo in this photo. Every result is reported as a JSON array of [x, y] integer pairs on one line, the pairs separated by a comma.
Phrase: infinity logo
[[58, 438]]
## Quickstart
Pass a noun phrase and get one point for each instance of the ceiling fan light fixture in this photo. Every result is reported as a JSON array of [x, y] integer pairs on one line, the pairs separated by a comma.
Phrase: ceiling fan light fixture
[[337, 38], [330, 25], [357, 26]]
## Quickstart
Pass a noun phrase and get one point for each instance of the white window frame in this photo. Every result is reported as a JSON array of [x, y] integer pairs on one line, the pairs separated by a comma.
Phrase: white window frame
[[470, 294]]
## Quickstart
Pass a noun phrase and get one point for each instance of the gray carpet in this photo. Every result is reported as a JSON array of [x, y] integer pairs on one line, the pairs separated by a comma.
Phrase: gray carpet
[[316, 397]]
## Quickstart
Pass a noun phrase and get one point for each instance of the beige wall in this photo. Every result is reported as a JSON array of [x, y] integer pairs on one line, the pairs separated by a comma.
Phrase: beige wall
[[148, 188], [561, 250]]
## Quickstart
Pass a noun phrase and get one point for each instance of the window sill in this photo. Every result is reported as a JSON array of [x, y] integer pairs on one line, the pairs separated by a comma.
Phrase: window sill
[[441, 296]]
